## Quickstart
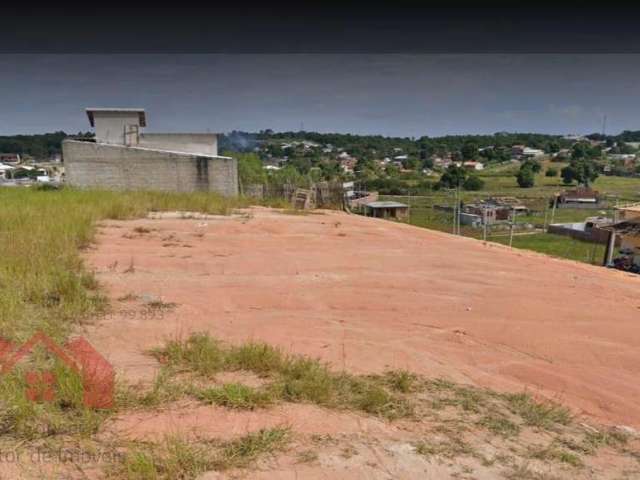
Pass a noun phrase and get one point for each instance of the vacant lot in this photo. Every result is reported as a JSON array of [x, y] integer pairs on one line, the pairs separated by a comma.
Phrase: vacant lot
[[367, 295], [220, 327]]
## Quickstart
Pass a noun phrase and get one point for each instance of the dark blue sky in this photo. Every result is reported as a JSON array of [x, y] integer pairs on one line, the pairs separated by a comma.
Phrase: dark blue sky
[[389, 94]]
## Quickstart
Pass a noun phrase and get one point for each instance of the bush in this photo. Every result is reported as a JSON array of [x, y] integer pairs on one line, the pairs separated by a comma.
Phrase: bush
[[551, 172], [473, 183], [525, 177]]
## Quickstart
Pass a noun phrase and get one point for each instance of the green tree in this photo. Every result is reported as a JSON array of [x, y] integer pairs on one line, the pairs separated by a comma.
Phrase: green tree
[[453, 177], [469, 151], [568, 174], [551, 172], [250, 169], [473, 183], [525, 176], [534, 165], [583, 170]]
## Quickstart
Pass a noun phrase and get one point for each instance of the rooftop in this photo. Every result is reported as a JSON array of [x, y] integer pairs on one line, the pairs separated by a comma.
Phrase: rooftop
[[629, 227], [386, 205], [140, 111]]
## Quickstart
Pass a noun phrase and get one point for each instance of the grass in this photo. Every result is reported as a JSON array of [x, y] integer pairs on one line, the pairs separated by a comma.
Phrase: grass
[[553, 453], [44, 285], [178, 458], [500, 181], [293, 378], [538, 414], [236, 395]]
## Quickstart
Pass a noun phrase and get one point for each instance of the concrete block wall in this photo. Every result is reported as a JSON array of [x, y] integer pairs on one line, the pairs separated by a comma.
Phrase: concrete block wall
[[199, 143], [96, 165]]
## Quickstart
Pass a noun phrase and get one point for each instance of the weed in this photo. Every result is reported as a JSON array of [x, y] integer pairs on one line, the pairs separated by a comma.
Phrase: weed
[[235, 395], [307, 456], [295, 378], [537, 414], [241, 452], [554, 453], [401, 380], [499, 424]]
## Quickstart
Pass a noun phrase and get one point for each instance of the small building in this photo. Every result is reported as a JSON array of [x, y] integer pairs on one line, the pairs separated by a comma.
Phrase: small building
[[628, 212], [10, 158], [386, 209], [123, 157], [581, 196], [628, 232], [472, 165], [593, 229]]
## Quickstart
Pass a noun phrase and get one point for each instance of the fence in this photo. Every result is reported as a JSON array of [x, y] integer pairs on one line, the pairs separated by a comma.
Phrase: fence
[[321, 194]]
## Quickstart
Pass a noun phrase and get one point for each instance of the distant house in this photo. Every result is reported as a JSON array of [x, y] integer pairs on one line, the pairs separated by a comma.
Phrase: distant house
[[510, 203], [10, 158], [522, 151], [387, 209], [579, 196], [624, 157], [472, 165], [532, 152]]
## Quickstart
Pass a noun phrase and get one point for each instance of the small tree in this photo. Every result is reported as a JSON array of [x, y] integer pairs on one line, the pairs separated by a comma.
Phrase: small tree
[[582, 170], [525, 177], [535, 166], [551, 172], [453, 177], [473, 183], [568, 174]]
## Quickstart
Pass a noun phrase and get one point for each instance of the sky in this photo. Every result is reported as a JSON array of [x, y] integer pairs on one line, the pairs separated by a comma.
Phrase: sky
[[408, 95]]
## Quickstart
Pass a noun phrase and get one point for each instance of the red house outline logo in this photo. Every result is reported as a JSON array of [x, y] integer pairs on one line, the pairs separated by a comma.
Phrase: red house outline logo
[[97, 374]]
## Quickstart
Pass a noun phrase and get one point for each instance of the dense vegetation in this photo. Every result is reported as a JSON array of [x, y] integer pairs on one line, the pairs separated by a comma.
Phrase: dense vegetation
[[40, 147]]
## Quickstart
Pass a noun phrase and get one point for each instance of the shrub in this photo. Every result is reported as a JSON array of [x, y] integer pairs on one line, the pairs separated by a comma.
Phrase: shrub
[[551, 172], [473, 183], [525, 177]]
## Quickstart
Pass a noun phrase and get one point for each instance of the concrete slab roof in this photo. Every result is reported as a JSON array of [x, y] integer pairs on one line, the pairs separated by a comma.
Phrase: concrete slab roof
[[386, 205], [140, 111]]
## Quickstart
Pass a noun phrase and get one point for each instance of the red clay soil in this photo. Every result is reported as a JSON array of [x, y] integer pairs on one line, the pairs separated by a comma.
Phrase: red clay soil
[[369, 295]]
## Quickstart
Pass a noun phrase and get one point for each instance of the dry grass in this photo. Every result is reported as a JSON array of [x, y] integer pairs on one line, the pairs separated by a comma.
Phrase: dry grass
[[177, 458], [292, 378], [45, 287]]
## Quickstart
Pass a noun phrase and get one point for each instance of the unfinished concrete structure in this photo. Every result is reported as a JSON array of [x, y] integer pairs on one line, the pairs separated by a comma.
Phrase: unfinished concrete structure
[[124, 158]]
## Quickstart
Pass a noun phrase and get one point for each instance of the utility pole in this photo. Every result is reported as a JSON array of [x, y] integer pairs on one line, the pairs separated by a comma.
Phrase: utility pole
[[513, 221], [459, 208], [553, 210], [484, 223], [455, 204]]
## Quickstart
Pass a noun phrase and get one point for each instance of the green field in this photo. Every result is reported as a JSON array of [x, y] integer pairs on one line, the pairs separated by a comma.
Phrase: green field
[[500, 181]]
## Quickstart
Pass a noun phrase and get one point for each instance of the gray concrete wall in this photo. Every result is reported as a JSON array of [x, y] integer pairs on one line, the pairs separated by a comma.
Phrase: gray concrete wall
[[110, 126], [200, 143], [95, 165]]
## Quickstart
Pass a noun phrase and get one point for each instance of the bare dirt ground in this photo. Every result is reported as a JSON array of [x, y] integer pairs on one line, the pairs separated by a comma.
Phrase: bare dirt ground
[[366, 295]]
